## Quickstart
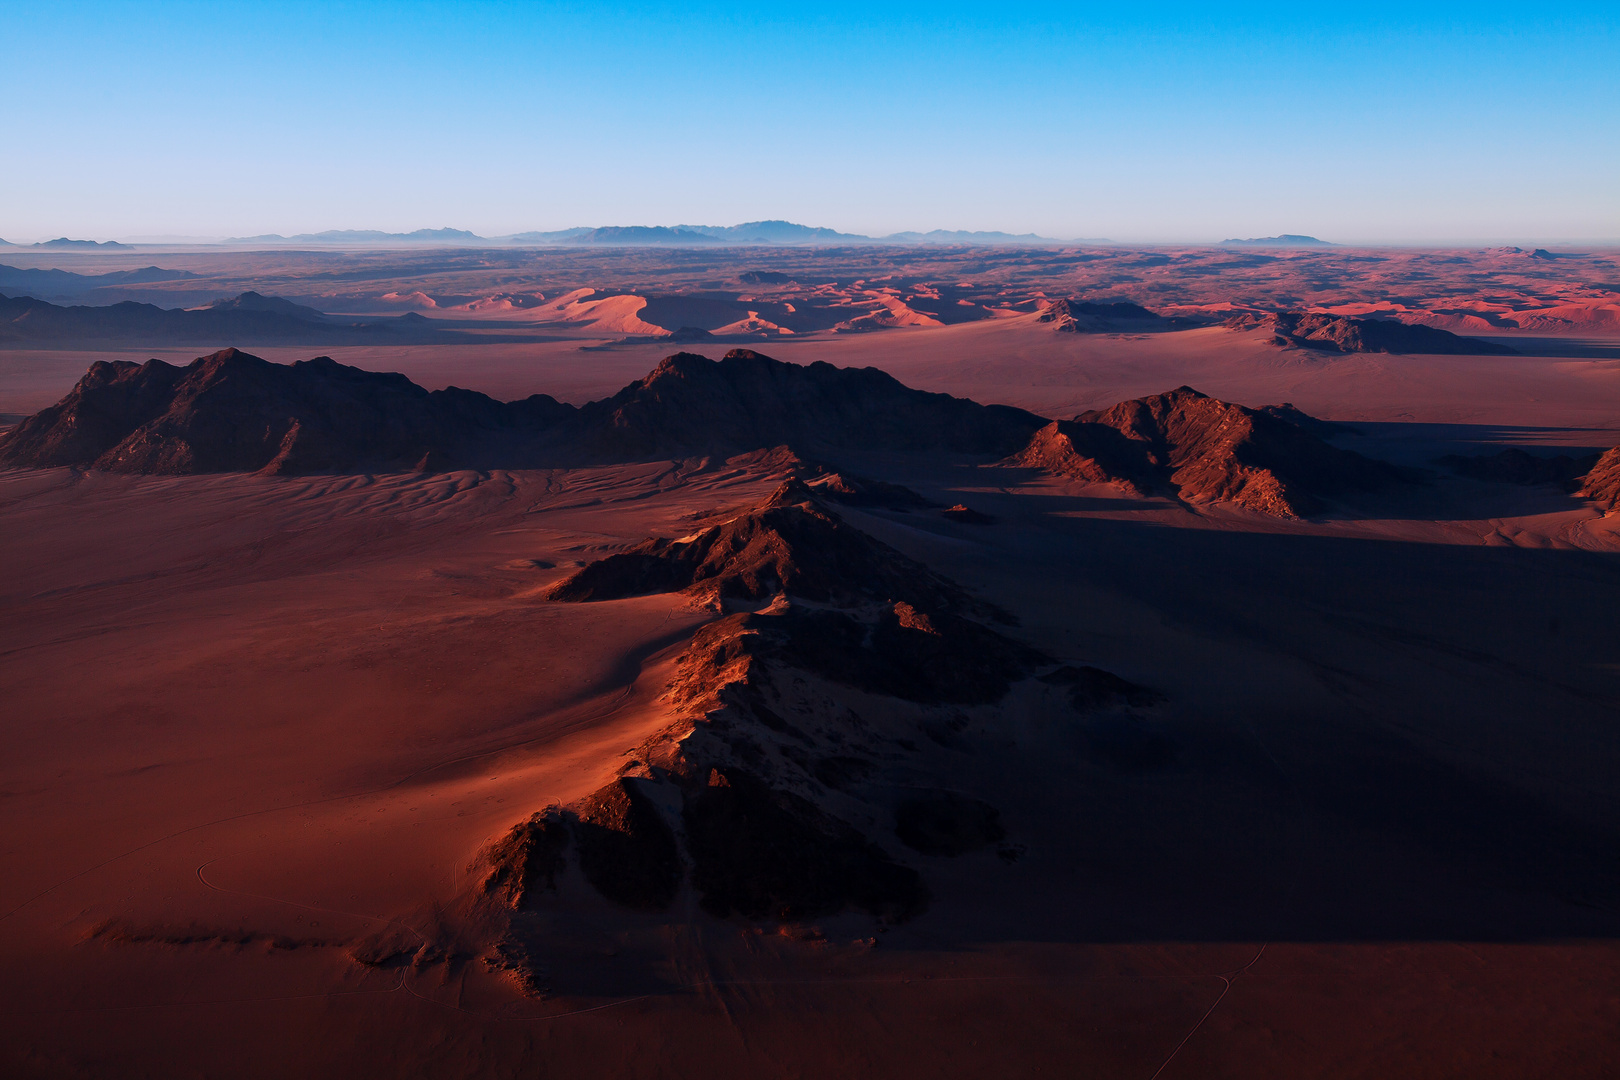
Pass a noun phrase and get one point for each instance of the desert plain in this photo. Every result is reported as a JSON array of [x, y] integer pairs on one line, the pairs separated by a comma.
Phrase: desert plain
[[1122, 753]]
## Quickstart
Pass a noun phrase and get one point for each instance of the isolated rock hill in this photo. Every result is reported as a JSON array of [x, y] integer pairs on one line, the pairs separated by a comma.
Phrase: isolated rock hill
[[1084, 317], [1337, 333], [249, 316], [252, 301], [1602, 483], [819, 741], [232, 411], [1204, 450]]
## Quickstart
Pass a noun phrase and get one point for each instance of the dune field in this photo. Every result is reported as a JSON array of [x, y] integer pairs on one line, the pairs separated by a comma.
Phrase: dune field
[[734, 711]]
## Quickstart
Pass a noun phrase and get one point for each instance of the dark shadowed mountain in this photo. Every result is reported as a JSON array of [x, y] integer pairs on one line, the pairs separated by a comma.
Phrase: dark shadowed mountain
[[690, 404], [1083, 317], [248, 317], [1204, 450], [1337, 333], [252, 301], [235, 412]]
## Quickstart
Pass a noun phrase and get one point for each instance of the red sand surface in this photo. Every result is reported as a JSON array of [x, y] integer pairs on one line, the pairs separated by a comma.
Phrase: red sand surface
[[250, 721]]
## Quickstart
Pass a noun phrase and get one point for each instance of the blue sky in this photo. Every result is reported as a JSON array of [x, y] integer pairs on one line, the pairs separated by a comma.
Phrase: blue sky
[[1151, 123]]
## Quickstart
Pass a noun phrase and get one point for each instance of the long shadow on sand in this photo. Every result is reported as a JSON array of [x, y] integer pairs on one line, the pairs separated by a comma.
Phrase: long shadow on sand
[[1370, 739], [1602, 348]]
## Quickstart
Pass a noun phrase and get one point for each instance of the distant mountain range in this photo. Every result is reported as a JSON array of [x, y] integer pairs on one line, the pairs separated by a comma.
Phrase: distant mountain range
[[364, 236], [62, 243], [752, 232], [1286, 240]]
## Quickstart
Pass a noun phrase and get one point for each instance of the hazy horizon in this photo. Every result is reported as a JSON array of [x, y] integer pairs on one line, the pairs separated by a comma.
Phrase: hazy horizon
[[180, 240], [1360, 126]]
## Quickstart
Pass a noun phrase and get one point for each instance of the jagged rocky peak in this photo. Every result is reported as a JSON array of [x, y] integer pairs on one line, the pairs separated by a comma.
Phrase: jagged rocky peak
[[1204, 450], [812, 761]]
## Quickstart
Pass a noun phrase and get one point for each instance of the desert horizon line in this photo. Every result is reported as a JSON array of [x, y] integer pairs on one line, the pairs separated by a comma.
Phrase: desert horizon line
[[771, 232]]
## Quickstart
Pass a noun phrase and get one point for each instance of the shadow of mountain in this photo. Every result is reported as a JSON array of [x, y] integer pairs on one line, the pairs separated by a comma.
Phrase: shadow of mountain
[[1577, 348], [1374, 740]]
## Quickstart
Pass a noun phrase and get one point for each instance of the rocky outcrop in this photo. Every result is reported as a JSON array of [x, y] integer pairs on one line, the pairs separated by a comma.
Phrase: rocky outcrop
[[1085, 317], [1602, 483], [1337, 333], [1204, 450]]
